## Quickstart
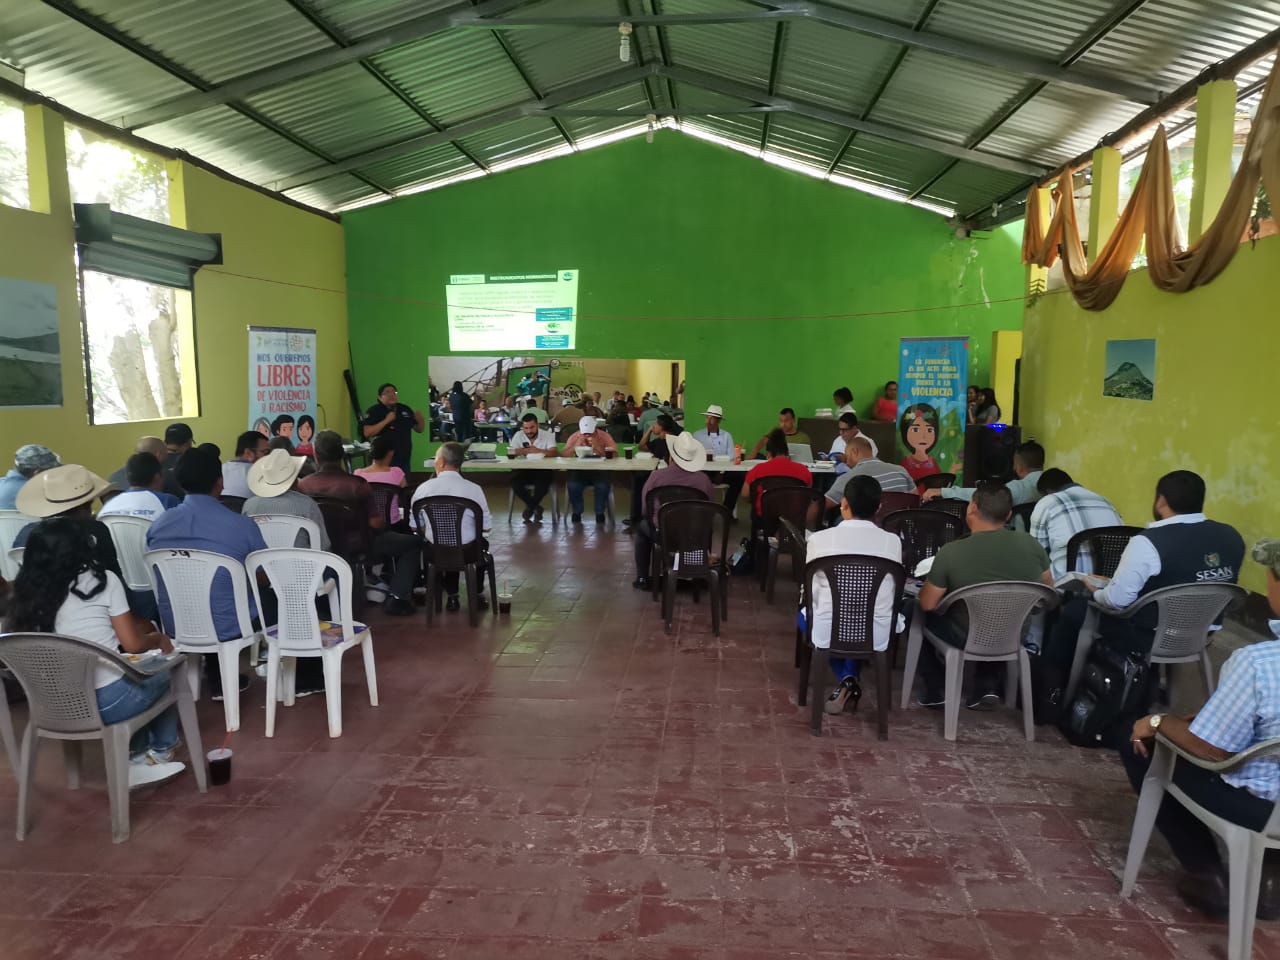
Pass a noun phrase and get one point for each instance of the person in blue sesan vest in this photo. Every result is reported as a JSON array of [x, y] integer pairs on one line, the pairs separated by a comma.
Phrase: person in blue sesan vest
[[1181, 546]]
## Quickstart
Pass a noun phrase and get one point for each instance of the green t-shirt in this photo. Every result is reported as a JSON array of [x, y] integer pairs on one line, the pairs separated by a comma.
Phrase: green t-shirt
[[984, 557]]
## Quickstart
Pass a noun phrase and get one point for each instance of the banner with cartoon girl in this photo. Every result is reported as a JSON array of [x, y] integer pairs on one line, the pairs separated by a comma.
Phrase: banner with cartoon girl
[[282, 384], [932, 379]]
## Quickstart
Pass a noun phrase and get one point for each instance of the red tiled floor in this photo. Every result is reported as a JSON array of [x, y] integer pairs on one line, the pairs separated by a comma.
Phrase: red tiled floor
[[572, 781]]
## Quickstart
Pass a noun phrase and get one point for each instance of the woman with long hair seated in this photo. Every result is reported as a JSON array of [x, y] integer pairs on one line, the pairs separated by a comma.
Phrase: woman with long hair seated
[[63, 588]]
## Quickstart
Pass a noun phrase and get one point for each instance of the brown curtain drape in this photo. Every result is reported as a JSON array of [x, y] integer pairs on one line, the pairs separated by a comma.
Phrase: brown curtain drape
[[1150, 212]]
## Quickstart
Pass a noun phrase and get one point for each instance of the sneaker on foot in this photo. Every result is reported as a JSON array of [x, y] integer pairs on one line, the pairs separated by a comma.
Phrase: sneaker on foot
[[599, 518], [641, 583], [577, 518], [527, 514], [984, 700], [453, 604], [481, 602], [537, 514], [147, 774], [933, 699], [840, 696], [216, 696], [395, 607]]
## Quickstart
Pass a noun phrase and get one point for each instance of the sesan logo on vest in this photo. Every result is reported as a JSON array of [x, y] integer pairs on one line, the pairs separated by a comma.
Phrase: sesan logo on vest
[[1216, 571]]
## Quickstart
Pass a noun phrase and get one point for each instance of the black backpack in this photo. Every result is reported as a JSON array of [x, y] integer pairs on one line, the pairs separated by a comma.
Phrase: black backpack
[[1113, 692]]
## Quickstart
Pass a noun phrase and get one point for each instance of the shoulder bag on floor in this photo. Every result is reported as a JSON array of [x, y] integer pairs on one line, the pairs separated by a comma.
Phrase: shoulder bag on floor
[[1111, 695]]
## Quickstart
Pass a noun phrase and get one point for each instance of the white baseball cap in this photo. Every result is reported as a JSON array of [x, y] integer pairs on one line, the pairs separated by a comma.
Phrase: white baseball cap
[[587, 425]]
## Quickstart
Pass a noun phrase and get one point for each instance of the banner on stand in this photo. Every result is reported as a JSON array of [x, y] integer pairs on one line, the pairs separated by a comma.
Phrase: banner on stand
[[932, 383], [282, 383]]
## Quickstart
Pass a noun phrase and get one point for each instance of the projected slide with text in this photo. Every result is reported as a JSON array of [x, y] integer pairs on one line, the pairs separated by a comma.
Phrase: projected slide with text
[[504, 312]]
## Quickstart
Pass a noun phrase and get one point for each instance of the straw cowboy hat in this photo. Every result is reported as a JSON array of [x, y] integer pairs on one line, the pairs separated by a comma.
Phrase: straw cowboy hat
[[686, 452], [275, 473], [714, 410], [58, 490]]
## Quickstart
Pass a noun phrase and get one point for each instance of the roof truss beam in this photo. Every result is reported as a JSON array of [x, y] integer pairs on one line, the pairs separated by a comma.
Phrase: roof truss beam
[[731, 88], [492, 15], [568, 94]]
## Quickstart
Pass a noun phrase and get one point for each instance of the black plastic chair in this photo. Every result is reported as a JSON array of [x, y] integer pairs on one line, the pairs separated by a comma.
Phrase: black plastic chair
[[758, 488], [936, 481], [448, 553], [923, 533], [855, 581], [232, 503], [384, 495], [891, 501], [957, 508], [654, 501], [1020, 518], [790, 502], [1103, 545], [688, 551]]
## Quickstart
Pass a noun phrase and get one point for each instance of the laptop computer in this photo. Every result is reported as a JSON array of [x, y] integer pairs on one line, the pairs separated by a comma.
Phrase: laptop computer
[[800, 452]]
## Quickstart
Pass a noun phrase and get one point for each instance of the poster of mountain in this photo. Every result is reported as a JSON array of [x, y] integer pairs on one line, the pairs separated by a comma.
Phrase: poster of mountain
[[30, 361], [1131, 369]]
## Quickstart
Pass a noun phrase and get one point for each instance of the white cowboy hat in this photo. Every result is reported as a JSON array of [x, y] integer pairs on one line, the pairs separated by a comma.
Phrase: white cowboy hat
[[714, 410], [686, 452], [275, 473], [587, 425], [57, 490]]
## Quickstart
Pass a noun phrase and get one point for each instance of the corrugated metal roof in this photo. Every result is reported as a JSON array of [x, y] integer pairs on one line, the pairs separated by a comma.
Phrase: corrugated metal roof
[[631, 97], [555, 56], [455, 76], [331, 193], [317, 94], [948, 97], [76, 67], [358, 18], [833, 68], [217, 40], [743, 51], [510, 140], [1169, 42], [422, 166], [341, 111], [230, 140]]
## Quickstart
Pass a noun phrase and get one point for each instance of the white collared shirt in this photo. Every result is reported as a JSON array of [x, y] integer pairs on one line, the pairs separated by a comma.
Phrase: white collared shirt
[[853, 536], [1138, 564], [451, 483]]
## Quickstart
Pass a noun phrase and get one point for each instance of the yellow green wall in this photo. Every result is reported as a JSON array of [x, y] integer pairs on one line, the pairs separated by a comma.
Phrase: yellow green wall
[[1215, 404], [261, 238], [645, 376]]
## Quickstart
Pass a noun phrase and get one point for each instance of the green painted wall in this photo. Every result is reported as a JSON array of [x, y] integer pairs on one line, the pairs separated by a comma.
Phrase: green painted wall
[[1213, 410], [686, 232]]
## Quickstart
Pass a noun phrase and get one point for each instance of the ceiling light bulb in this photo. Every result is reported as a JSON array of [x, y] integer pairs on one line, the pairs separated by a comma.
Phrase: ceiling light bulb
[[624, 42]]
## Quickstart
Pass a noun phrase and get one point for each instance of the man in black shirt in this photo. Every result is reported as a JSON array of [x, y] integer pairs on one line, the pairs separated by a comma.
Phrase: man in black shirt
[[395, 419]]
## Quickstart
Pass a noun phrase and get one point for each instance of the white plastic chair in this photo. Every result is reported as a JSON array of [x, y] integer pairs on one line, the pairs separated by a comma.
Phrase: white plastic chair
[[1184, 614], [15, 555], [57, 674], [11, 524], [281, 530], [1245, 848], [998, 615], [187, 579], [297, 576], [129, 534]]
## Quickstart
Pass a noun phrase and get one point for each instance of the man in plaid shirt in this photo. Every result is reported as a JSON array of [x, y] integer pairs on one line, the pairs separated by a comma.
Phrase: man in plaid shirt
[[1065, 508], [1243, 711]]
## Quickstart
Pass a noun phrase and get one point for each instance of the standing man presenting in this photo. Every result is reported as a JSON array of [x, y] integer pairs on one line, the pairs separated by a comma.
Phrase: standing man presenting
[[393, 418]]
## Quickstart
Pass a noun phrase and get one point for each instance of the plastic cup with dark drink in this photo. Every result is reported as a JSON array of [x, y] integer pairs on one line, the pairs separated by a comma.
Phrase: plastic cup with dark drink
[[219, 766], [629, 452], [504, 603], [511, 453], [610, 454]]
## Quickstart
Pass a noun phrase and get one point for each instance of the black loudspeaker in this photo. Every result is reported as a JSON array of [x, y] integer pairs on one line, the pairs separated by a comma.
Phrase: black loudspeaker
[[988, 453]]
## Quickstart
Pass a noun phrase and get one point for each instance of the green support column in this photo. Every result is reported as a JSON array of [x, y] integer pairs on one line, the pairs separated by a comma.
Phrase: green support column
[[1104, 198], [1211, 170]]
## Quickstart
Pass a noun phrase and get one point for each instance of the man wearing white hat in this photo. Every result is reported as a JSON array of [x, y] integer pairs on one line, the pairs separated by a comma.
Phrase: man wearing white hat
[[686, 457], [720, 442], [273, 481], [600, 443]]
